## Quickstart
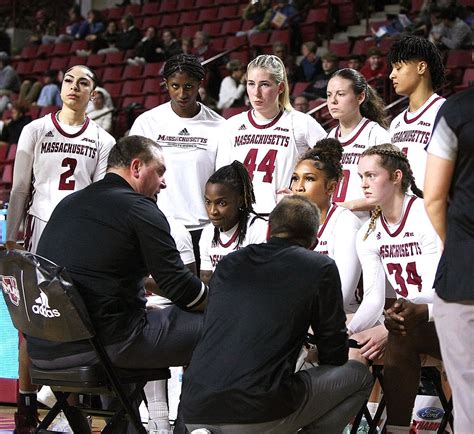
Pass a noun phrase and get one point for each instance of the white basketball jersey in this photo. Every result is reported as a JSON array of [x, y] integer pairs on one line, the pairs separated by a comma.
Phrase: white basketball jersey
[[269, 151], [189, 148], [337, 239], [409, 252], [366, 134], [411, 132], [211, 255], [62, 162]]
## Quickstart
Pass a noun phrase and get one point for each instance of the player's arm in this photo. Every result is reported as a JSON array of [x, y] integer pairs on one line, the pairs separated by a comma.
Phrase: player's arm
[[22, 175], [162, 258], [371, 308], [357, 205], [438, 176], [314, 132], [345, 254], [107, 142]]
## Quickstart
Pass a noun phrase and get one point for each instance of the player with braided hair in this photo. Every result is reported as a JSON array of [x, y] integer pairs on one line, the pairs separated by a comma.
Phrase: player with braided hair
[[315, 176], [229, 199], [400, 243], [185, 129], [417, 71], [362, 123]]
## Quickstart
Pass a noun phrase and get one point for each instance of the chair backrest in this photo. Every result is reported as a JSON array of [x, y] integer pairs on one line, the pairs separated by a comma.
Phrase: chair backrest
[[41, 298]]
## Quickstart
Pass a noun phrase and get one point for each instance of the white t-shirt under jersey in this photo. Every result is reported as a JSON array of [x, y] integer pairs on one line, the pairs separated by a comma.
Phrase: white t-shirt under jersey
[[366, 134], [55, 160], [406, 253], [211, 255], [269, 150], [411, 132], [189, 148], [337, 239]]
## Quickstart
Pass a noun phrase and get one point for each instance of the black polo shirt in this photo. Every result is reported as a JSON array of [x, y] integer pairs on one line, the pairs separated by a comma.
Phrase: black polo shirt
[[262, 300], [110, 238]]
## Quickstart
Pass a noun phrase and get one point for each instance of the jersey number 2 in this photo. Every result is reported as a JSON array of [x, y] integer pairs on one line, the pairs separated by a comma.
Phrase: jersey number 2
[[267, 165], [65, 181], [413, 278]]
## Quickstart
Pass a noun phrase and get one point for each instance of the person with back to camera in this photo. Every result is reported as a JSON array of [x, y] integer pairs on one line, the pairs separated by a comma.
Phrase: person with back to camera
[[274, 292], [57, 154], [268, 138], [400, 244], [229, 200]]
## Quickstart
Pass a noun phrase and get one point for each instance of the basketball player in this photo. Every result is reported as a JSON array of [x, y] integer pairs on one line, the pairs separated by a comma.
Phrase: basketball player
[[186, 130], [268, 138], [417, 71], [400, 243], [315, 177], [362, 123], [57, 154], [229, 200]]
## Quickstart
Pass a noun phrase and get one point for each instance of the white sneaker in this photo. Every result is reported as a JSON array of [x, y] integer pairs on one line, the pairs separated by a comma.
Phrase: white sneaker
[[60, 424], [159, 426]]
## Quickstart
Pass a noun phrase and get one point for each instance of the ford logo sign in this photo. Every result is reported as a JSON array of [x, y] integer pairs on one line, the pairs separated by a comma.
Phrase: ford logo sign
[[430, 413]]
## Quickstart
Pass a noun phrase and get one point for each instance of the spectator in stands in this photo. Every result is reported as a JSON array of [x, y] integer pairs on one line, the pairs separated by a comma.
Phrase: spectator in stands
[[107, 42], [5, 42], [75, 21], [438, 29], [147, 50], [9, 81], [170, 46], [102, 109], [233, 87], [255, 11], [44, 29], [301, 104], [186, 45], [278, 16], [281, 50], [354, 62], [12, 128], [317, 89], [203, 51], [374, 66], [458, 34], [91, 27], [44, 92], [201, 46], [129, 36], [311, 65], [207, 100]]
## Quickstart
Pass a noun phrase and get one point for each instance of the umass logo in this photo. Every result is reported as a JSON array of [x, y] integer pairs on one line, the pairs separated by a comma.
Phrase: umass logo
[[10, 288]]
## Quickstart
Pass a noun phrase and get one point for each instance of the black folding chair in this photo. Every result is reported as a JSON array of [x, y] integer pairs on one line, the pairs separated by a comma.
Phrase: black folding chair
[[43, 303]]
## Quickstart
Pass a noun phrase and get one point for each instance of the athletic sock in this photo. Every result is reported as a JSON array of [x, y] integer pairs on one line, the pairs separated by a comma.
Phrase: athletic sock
[[27, 403]]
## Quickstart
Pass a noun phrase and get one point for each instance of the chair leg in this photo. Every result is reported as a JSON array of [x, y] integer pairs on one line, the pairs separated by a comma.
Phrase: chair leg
[[61, 398], [77, 420]]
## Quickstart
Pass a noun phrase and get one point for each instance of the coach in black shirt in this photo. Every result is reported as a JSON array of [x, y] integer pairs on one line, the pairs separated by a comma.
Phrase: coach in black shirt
[[262, 300], [110, 236]]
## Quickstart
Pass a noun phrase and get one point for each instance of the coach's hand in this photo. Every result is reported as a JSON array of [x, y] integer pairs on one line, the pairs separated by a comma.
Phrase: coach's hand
[[404, 316]]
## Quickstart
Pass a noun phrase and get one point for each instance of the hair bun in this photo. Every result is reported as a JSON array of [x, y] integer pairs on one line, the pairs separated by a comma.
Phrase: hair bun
[[329, 149]]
